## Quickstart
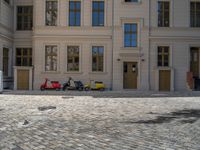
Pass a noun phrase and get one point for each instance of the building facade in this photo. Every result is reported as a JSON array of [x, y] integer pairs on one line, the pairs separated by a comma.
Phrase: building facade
[[127, 44]]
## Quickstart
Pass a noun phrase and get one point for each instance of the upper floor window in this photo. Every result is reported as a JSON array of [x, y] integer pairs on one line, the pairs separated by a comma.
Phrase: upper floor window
[[23, 57], [195, 14], [163, 56], [51, 12], [74, 13], [73, 58], [97, 58], [24, 17], [163, 14], [131, 0], [51, 58], [130, 35], [7, 1], [98, 13]]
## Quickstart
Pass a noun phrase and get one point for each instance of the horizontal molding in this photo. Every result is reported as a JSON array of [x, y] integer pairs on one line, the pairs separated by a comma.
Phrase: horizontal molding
[[175, 37], [72, 36], [71, 28]]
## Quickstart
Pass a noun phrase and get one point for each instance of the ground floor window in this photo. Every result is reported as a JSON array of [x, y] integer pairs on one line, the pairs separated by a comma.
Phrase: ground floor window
[[163, 56], [51, 58], [23, 57], [73, 58], [5, 61], [97, 58]]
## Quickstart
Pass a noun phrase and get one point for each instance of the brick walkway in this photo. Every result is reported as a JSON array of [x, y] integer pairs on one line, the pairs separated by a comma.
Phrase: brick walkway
[[98, 123]]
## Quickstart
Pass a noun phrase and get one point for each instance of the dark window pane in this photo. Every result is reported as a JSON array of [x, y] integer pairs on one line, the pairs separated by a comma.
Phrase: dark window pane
[[24, 17], [97, 58], [163, 14]]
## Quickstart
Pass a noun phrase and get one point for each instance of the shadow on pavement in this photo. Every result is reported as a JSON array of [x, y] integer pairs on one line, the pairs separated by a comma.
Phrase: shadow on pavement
[[183, 116]]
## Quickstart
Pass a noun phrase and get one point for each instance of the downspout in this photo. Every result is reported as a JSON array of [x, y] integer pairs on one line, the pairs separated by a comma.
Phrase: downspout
[[112, 45], [149, 30]]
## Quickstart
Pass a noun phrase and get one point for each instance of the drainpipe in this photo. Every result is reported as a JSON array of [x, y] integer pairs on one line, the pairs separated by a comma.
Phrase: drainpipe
[[112, 45], [149, 30]]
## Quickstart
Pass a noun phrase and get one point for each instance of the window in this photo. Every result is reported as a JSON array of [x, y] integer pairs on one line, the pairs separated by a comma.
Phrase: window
[[51, 12], [195, 14], [7, 1], [131, 0], [130, 35], [74, 13], [23, 57], [97, 58], [24, 17], [73, 58], [163, 56], [163, 13], [98, 13], [51, 58], [5, 61]]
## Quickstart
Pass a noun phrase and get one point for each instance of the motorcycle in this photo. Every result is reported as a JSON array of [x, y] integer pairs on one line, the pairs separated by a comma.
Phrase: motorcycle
[[50, 85], [73, 85], [95, 85]]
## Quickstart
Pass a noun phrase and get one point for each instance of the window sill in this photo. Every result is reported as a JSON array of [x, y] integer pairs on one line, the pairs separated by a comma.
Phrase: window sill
[[98, 73], [72, 72], [164, 68], [131, 3], [51, 72], [130, 48]]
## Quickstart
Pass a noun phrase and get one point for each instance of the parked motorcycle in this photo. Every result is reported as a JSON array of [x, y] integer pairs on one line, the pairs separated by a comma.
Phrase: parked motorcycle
[[73, 85], [50, 85], [95, 85]]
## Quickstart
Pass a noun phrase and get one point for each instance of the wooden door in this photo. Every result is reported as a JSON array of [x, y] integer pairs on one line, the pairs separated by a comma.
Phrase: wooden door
[[130, 75], [22, 79], [194, 62], [164, 80]]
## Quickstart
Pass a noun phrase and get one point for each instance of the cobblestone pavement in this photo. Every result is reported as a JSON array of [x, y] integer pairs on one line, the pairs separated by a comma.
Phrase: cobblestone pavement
[[99, 123]]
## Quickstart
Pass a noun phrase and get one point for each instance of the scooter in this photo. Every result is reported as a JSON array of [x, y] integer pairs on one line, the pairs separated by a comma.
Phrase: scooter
[[95, 85], [73, 85], [50, 85]]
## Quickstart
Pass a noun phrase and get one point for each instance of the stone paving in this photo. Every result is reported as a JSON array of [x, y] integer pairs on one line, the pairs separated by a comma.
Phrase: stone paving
[[98, 123]]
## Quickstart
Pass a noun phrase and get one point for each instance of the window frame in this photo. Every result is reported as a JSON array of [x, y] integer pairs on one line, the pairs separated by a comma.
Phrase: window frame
[[30, 24], [57, 14], [79, 56], [163, 19], [57, 58], [104, 55], [195, 11], [104, 12], [137, 34], [29, 56], [80, 11], [163, 54]]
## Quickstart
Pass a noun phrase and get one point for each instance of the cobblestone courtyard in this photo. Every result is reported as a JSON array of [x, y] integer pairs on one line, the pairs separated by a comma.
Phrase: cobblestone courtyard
[[99, 123]]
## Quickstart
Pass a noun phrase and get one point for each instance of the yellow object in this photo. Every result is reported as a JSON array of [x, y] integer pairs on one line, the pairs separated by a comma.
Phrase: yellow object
[[95, 86]]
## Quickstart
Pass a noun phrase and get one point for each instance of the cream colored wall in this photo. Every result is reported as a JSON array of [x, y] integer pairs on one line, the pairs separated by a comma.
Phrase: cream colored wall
[[62, 35], [6, 32], [85, 74], [180, 37], [131, 13]]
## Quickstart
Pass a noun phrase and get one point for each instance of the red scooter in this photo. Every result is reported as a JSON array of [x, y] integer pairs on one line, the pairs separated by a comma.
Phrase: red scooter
[[50, 85]]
